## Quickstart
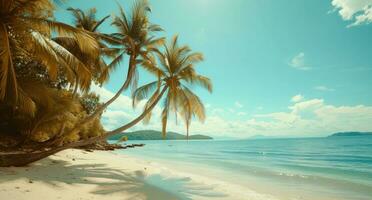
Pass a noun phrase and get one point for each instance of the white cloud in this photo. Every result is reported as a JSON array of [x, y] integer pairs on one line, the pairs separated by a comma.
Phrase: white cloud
[[298, 62], [122, 102], [306, 105], [238, 104], [358, 11], [297, 98], [324, 88], [120, 111], [311, 118], [306, 117]]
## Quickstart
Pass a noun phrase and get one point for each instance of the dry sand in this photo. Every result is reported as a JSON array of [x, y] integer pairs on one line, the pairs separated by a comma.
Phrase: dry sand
[[80, 175]]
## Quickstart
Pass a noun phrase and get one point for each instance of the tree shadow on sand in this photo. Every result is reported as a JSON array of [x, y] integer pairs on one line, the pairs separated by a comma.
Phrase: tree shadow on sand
[[136, 185]]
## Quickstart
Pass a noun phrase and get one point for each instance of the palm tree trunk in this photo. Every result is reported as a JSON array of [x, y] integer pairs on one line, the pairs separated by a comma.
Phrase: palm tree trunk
[[24, 158], [100, 109], [139, 118], [187, 131]]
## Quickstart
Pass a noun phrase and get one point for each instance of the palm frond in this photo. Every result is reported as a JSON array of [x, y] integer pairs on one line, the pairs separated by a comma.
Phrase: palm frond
[[150, 66], [45, 54], [197, 106], [143, 92], [116, 62], [155, 28], [95, 27], [150, 102], [29, 6], [86, 42], [8, 81], [200, 80]]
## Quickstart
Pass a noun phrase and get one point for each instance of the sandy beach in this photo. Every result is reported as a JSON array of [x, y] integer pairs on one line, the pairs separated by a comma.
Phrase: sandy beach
[[80, 175]]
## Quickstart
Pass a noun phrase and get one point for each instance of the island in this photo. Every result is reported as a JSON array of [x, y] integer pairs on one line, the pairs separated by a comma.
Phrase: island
[[350, 134], [157, 135]]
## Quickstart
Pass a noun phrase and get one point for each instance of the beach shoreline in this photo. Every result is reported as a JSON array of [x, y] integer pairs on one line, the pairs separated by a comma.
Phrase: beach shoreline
[[77, 174]]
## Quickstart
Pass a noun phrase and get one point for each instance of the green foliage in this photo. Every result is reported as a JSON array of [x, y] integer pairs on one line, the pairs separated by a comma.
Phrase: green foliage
[[156, 135], [90, 102]]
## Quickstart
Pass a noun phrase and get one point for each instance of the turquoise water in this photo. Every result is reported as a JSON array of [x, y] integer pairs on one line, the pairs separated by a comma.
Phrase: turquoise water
[[310, 168]]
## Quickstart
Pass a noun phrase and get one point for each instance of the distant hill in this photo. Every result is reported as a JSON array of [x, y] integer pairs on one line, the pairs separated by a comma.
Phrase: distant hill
[[156, 135], [348, 134]]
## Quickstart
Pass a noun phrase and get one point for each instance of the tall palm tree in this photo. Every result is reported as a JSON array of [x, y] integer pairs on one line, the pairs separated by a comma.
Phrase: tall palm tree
[[25, 33], [135, 39], [175, 73]]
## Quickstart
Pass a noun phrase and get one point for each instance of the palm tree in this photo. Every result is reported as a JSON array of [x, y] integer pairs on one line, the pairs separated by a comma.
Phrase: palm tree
[[176, 73], [88, 22], [134, 38], [25, 33]]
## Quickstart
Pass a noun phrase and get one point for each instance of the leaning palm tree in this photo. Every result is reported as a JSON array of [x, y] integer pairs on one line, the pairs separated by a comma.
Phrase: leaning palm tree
[[25, 34], [135, 39], [176, 73]]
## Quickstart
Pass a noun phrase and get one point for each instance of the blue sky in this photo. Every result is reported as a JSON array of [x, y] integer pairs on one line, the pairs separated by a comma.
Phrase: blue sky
[[284, 68]]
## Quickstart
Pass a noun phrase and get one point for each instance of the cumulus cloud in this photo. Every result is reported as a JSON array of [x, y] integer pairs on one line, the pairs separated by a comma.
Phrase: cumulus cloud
[[120, 111], [311, 117], [357, 11], [298, 62], [297, 98]]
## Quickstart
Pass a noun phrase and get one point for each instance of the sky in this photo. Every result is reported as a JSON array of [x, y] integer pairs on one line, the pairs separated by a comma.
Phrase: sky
[[279, 68]]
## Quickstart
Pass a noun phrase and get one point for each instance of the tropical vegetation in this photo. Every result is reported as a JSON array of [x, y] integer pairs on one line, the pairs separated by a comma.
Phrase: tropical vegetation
[[47, 68]]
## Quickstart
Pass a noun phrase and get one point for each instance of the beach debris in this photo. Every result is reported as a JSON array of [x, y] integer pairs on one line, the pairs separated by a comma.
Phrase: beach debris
[[30, 181], [133, 146]]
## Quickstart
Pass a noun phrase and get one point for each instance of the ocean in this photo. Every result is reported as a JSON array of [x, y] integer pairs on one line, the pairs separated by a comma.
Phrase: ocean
[[334, 168]]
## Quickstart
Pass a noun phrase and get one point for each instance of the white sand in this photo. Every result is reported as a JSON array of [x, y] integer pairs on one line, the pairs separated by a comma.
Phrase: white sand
[[76, 174]]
